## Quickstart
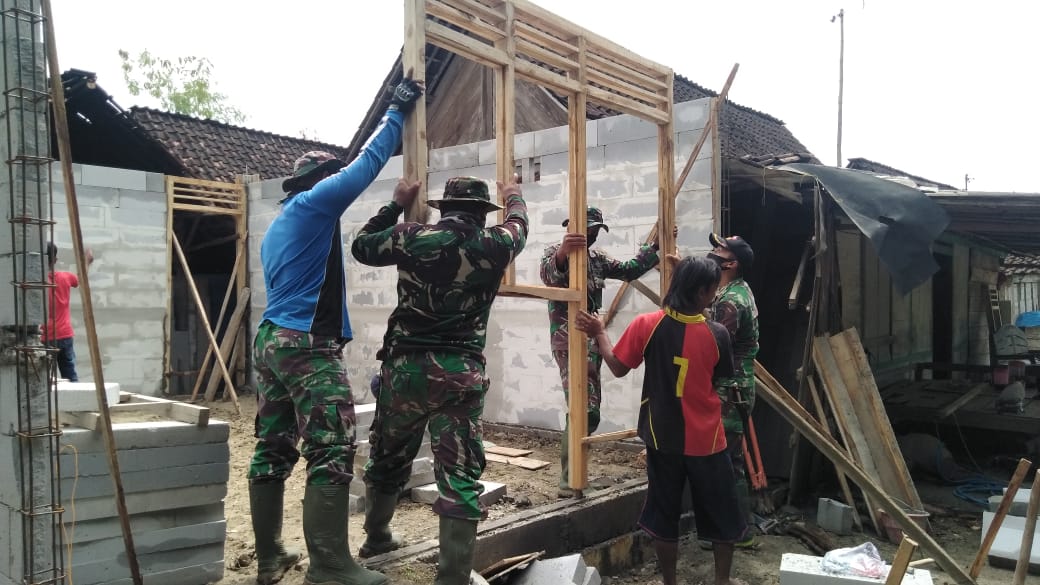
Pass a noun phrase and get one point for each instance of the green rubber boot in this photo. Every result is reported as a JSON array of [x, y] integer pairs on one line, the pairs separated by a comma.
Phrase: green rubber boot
[[379, 510], [273, 560], [325, 514], [457, 540], [565, 490]]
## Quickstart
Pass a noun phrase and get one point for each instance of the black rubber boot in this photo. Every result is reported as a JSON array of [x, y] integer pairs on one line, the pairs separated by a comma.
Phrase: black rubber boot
[[273, 560], [379, 510], [457, 539], [325, 514]]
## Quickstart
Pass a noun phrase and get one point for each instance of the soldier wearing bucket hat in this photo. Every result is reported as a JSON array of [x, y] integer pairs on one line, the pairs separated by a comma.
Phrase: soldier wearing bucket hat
[[302, 385], [601, 266], [432, 374], [734, 307]]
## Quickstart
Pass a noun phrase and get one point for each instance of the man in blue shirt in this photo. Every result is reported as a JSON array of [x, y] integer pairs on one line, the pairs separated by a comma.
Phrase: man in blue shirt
[[302, 388]]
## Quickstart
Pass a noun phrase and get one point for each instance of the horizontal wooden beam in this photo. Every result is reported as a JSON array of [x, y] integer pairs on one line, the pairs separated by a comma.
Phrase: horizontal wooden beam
[[485, 12], [464, 20], [539, 292], [625, 88], [205, 209], [628, 106], [541, 38], [633, 76], [541, 76], [525, 47], [468, 47]]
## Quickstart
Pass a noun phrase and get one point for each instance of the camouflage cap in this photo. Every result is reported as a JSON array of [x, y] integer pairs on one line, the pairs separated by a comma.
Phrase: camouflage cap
[[309, 163], [465, 193], [593, 218]]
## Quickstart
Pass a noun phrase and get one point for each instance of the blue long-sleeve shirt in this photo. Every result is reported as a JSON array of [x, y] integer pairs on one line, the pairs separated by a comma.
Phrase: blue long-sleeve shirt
[[302, 251]]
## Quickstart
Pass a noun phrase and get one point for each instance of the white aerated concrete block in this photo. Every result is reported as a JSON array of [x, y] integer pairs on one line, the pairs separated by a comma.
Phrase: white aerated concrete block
[[798, 569], [834, 516], [1008, 543], [559, 571], [422, 473], [591, 576], [82, 396], [428, 494], [364, 414]]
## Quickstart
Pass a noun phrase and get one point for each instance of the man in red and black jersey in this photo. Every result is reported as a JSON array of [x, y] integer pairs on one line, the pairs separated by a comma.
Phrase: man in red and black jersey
[[680, 415]]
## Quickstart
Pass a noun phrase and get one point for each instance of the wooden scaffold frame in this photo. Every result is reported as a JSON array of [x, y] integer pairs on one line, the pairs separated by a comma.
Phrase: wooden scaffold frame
[[209, 197], [518, 39]]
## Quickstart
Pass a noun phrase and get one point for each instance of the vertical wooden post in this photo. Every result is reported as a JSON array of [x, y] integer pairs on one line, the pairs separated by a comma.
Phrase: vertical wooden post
[[505, 117], [1025, 550], [241, 282], [414, 147], [61, 131], [578, 358], [168, 333], [665, 193], [220, 319]]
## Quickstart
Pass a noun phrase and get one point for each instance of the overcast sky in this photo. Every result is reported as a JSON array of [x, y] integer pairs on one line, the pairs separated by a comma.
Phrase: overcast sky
[[937, 89]]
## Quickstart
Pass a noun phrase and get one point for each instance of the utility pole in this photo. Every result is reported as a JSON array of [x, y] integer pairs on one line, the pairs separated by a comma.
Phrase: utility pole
[[967, 179], [841, 76]]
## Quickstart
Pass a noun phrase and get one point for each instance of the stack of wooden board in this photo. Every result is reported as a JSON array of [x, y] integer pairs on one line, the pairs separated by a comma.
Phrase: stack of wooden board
[[861, 419]]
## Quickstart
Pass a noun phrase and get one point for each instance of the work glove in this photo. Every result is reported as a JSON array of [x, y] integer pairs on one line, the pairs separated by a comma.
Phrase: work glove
[[405, 95]]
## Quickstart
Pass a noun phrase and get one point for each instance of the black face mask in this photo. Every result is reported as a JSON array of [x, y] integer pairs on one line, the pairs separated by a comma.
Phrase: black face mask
[[719, 259]]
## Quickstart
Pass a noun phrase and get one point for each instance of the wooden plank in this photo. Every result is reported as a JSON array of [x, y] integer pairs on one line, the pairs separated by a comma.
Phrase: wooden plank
[[874, 420], [476, 8], [507, 451], [526, 47], [535, 74], [204, 209], [577, 358], [845, 415], [999, 515], [628, 106], [205, 320], [239, 260], [961, 400], [842, 480], [774, 394], [494, 458], [1025, 550], [468, 47], [799, 276], [465, 20], [183, 182], [901, 562], [168, 317], [613, 436], [525, 31], [529, 464], [625, 88], [633, 76], [646, 290], [414, 145], [230, 335], [539, 292]]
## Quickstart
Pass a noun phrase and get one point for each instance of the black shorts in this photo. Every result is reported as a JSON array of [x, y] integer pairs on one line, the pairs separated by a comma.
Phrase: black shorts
[[713, 491]]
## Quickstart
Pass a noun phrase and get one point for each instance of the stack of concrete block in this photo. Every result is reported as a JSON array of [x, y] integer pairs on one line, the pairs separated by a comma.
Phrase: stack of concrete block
[[422, 465], [796, 569], [569, 570], [174, 478], [1008, 543]]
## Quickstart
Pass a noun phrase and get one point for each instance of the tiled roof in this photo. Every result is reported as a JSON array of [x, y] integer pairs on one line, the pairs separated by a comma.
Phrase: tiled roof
[[1016, 264], [213, 150], [862, 164], [744, 131], [145, 139]]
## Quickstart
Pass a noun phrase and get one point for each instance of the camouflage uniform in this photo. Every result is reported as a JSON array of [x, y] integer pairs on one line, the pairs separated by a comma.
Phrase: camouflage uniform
[[601, 267], [302, 393], [433, 350], [734, 307]]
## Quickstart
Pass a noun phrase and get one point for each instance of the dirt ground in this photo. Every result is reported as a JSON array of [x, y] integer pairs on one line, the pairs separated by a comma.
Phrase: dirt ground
[[958, 531]]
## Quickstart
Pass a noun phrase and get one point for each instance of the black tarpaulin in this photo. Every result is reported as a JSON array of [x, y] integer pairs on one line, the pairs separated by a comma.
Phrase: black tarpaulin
[[900, 221]]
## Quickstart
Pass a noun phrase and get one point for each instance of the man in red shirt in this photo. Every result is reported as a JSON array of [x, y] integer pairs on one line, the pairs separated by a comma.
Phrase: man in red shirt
[[680, 415], [57, 333]]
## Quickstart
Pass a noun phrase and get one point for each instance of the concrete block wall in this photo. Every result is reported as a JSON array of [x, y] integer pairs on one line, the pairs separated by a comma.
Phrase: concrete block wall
[[123, 220], [622, 181], [174, 478]]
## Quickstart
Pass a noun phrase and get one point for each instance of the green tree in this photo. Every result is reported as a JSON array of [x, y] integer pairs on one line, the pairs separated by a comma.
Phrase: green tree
[[182, 86]]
